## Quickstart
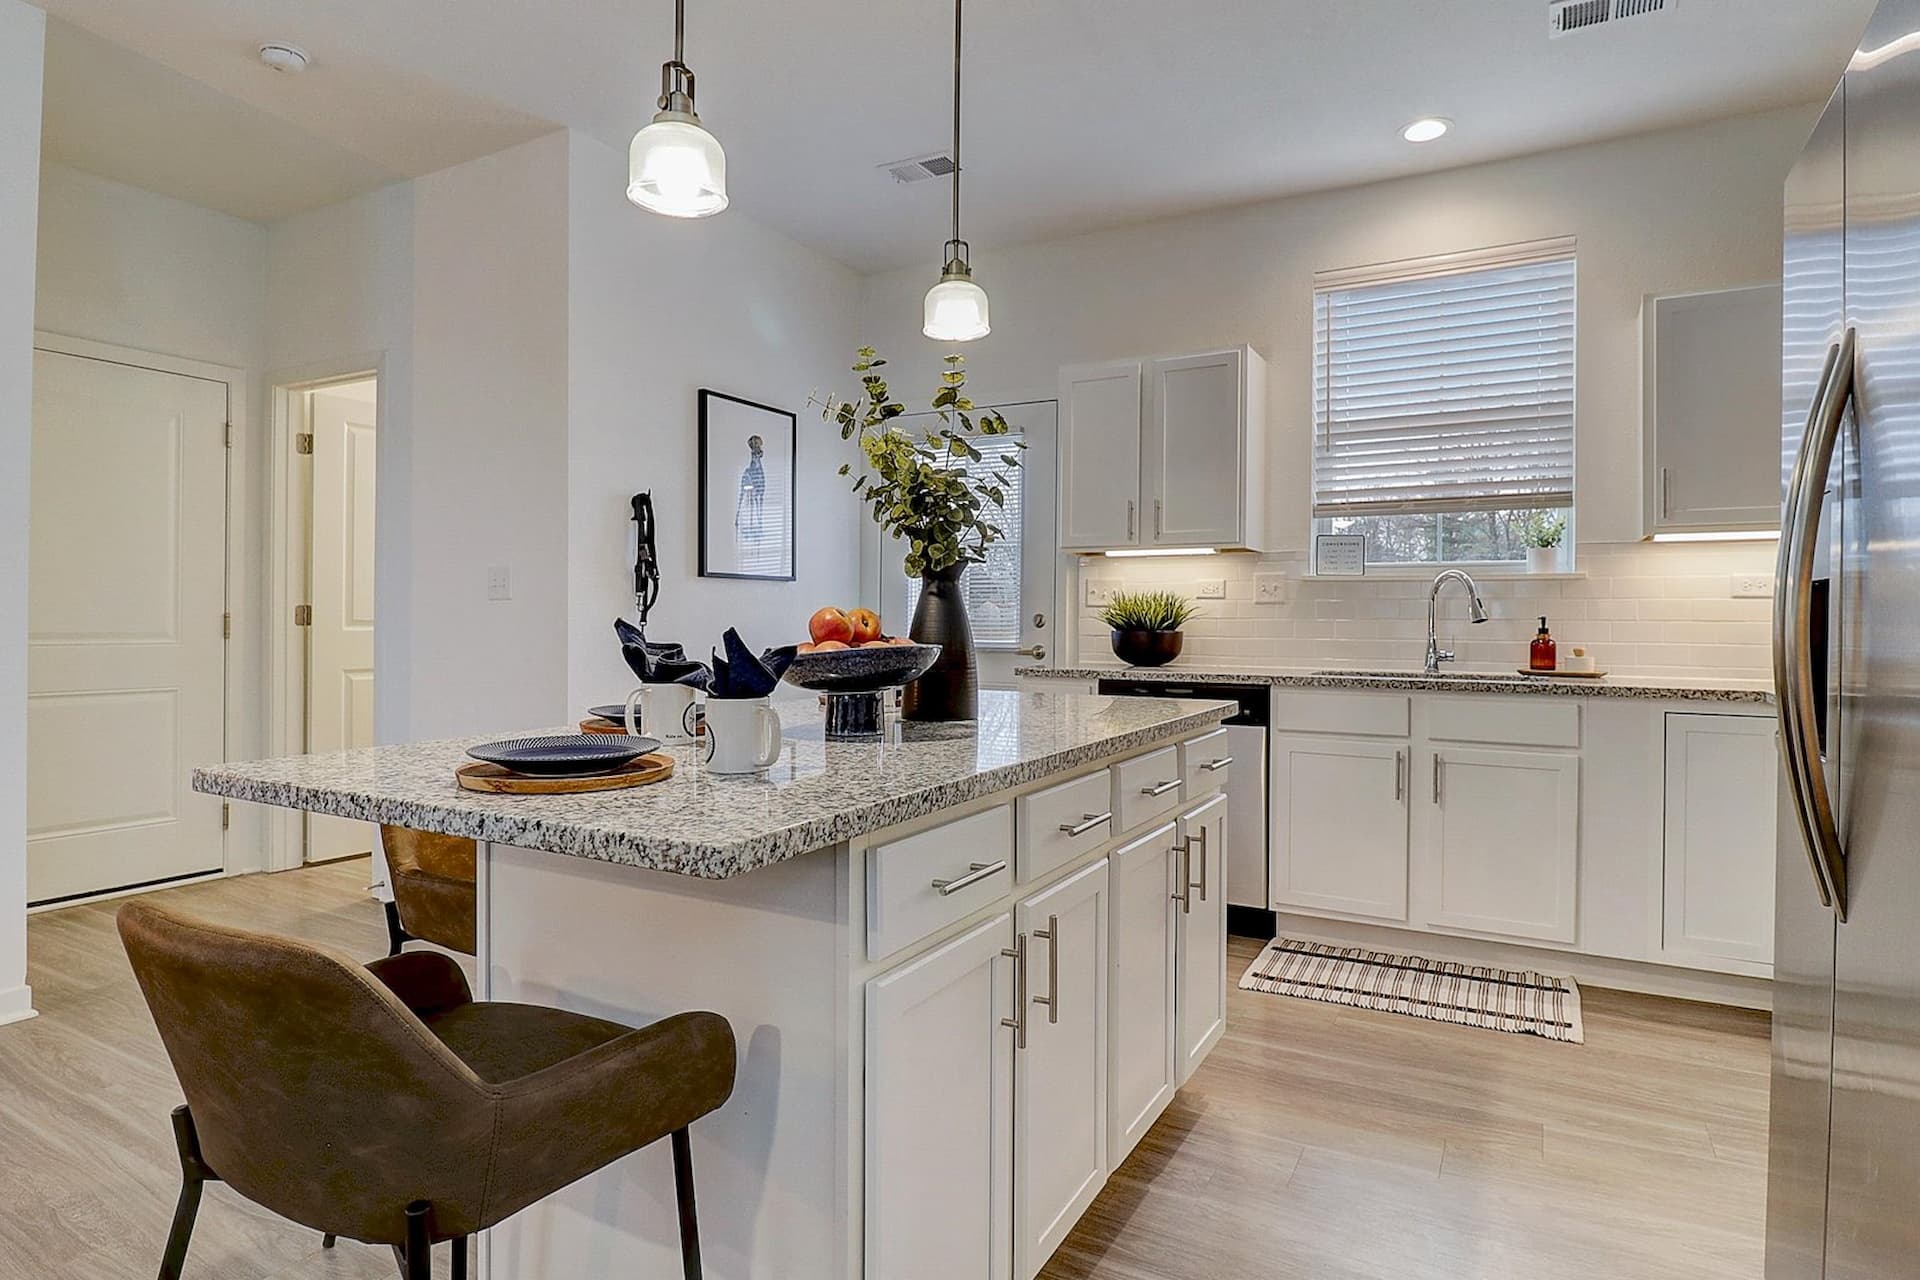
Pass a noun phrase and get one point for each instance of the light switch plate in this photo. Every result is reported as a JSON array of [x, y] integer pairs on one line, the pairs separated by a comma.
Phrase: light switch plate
[[1270, 588], [1098, 594], [1752, 586], [499, 582], [1210, 589]]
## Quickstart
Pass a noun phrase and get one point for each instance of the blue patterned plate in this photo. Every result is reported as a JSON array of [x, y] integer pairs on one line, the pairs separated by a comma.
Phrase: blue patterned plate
[[569, 755]]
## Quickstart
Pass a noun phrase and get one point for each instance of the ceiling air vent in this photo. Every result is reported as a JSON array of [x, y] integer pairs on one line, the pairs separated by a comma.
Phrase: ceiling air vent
[[1564, 17], [920, 168]]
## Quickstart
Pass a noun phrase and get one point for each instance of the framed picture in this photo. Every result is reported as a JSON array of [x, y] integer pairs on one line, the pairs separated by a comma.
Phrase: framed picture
[[746, 488], [1340, 555]]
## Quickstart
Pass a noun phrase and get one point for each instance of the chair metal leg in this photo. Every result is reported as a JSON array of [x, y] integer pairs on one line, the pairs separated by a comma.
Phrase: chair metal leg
[[194, 1175], [419, 1241], [397, 937], [683, 1192], [459, 1258]]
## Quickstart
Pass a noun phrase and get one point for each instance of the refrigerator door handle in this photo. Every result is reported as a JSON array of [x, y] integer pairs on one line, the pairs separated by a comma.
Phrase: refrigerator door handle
[[1792, 621]]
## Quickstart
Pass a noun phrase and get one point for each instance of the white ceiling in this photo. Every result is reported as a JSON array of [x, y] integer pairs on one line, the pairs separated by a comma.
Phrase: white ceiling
[[1080, 113]]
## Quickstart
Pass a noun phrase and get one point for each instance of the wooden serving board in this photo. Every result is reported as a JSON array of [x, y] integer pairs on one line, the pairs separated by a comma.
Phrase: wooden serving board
[[593, 724], [1564, 675], [654, 767]]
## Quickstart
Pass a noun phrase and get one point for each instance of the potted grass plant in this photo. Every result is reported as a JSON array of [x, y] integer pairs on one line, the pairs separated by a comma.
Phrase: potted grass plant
[[1146, 625], [1545, 535]]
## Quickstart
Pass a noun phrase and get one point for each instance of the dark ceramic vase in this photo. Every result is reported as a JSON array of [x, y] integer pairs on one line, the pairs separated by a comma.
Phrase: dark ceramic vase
[[1146, 648], [950, 688]]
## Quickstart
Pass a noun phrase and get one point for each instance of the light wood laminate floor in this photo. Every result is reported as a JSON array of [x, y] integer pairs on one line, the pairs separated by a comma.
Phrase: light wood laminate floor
[[1315, 1142]]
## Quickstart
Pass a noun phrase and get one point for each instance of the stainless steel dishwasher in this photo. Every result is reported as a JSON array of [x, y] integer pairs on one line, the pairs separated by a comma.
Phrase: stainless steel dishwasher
[[1249, 910]]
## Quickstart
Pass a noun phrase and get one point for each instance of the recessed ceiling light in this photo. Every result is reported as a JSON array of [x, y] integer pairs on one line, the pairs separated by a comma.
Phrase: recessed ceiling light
[[1426, 129], [288, 58]]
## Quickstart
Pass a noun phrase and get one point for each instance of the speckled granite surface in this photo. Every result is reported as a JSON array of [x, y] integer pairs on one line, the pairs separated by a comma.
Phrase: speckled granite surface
[[715, 826], [1649, 688]]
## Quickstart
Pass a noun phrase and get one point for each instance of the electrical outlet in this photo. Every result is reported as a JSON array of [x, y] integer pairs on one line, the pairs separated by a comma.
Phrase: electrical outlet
[[499, 583], [1753, 586], [1269, 588], [1099, 594], [1210, 589]]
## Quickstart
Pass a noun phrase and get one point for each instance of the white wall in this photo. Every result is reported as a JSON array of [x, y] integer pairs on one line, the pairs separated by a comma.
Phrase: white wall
[[658, 309], [23, 34], [1672, 212]]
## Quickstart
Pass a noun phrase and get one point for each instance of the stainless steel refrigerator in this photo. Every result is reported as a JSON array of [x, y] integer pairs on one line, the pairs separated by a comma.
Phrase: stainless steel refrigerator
[[1844, 1170]]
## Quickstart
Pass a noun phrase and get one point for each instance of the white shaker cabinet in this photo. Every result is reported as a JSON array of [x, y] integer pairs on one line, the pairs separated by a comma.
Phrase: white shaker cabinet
[[1060, 1080], [1503, 841], [1100, 420], [1143, 982], [939, 1112], [1720, 815], [1201, 933], [1338, 825]]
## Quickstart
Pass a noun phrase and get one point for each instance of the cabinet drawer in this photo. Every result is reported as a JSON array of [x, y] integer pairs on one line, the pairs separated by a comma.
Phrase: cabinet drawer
[[1520, 722], [1146, 787], [1064, 821], [1204, 764], [903, 903], [1383, 715]]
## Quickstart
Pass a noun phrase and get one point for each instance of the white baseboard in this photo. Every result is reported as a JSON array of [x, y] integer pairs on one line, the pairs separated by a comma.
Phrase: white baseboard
[[1594, 971], [16, 1005]]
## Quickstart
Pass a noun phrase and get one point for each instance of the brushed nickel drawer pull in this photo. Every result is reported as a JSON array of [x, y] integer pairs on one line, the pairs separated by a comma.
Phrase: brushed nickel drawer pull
[[1215, 766], [975, 874], [1088, 823], [1019, 1019], [1160, 789], [1052, 999]]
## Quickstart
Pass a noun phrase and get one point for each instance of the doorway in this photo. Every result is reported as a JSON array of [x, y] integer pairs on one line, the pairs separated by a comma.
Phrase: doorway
[[1011, 596], [127, 618]]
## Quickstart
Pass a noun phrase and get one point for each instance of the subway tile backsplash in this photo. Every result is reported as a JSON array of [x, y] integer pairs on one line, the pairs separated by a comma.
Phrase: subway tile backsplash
[[1651, 609]]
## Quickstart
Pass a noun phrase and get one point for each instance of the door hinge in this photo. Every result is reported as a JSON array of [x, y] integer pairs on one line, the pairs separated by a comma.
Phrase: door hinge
[[226, 815], [303, 443], [229, 435], [303, 615], [226, 626]]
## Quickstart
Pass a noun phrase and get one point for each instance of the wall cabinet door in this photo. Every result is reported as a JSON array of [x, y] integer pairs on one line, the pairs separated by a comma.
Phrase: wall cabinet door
[[1201, 933], [939, 1112], [1195, 450], [1100, 456], [1339, 825], [1142, 990], [1060, 1079], [1503, 841], [1720, 813]]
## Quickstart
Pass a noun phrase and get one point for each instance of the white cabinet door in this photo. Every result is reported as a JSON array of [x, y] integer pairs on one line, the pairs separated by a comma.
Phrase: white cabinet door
[[1195, 450], [1201, 929], [1100, 456], [939, 1113], [1060, 1080], [1339, 825], [1503, 842], [1720, 816], [1141, 984]]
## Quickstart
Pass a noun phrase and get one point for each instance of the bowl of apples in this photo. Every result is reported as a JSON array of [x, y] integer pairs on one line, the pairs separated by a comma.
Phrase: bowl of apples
[[853, 663]]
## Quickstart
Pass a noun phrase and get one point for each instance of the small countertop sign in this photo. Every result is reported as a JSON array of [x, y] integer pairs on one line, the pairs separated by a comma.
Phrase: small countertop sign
[[1340, 555]]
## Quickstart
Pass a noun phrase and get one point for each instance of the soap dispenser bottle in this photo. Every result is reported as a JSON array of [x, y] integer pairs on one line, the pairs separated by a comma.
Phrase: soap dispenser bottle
[[1542, 654]]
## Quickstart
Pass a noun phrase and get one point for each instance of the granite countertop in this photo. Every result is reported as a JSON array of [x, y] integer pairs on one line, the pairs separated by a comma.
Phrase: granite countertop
[[1650, 688], [716, 826]]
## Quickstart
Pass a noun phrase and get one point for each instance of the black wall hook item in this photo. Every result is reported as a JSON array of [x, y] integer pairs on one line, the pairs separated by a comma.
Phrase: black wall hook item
[[646, 558]]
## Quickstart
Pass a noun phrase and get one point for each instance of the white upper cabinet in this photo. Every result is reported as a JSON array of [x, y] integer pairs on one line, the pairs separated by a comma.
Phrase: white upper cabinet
[[1168, 452], [1712, 410], [1100, 455]]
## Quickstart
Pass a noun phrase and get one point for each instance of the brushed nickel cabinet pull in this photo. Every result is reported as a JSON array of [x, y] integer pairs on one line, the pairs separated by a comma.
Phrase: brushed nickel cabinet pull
[[1129, 519], [1436, 777], [1201, 885], [1019, 1019], [1052, 999], [1159, 522], [1399, 775], [1160, 788], [1184, 896], [1089, 822], [975, 874]]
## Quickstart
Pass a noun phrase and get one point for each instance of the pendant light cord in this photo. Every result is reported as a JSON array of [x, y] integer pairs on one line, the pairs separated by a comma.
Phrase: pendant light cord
[[956, 120], [680, 31]]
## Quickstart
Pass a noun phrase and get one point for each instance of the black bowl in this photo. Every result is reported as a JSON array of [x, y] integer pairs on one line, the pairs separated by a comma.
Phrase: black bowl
[[862, 670], [1146, 648]]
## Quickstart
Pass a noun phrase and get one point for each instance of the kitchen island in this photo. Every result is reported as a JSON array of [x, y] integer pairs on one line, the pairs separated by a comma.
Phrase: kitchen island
[[967, 967]]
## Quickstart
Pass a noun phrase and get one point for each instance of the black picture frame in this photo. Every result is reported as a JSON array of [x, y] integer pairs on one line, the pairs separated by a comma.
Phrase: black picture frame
[[726, 425]]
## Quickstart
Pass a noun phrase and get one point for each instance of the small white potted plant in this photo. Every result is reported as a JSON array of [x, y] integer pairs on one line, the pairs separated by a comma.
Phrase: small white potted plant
[[1546, 534]]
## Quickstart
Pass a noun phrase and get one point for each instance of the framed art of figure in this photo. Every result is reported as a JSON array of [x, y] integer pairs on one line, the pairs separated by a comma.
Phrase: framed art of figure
[[746, 489]]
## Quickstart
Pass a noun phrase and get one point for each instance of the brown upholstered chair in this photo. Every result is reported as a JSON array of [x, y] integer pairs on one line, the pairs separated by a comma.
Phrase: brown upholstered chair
[[383, 1103], [432, 878]]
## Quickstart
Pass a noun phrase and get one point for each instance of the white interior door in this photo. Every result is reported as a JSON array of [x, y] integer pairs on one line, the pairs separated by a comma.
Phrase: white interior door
[[125, 613], [1010, 596], [340, 644]]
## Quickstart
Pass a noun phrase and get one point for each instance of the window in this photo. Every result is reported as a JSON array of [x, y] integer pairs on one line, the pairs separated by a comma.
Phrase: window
[[992, 586], [1443, 402]]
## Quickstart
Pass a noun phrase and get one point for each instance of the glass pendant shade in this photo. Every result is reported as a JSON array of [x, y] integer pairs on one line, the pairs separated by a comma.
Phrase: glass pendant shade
[[956, 310], [675, 167]]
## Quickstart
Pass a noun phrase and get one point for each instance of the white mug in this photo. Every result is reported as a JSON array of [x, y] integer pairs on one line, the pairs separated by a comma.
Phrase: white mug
[[743, 734], [665, 711]]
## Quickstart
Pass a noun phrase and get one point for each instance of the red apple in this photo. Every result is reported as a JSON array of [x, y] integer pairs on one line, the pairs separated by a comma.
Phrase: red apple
[[874, 644], [829, 624], [866, 625], [830, 646]]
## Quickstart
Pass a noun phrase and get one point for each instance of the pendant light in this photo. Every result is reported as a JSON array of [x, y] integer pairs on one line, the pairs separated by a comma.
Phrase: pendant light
[[675, 166], [956, 307]]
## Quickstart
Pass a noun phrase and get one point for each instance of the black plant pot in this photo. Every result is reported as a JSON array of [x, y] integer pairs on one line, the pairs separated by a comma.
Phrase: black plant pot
[[950, 688], [1146, 648]]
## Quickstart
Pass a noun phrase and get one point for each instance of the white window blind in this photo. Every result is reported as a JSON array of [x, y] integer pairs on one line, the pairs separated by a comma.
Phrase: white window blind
[[993, 586], [1445, 384]]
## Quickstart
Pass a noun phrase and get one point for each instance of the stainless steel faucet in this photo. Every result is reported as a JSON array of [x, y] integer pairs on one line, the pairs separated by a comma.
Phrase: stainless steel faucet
[[1477, 612]]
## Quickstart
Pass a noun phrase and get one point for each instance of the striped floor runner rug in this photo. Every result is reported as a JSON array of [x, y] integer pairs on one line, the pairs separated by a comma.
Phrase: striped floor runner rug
[[1523, 1003]]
